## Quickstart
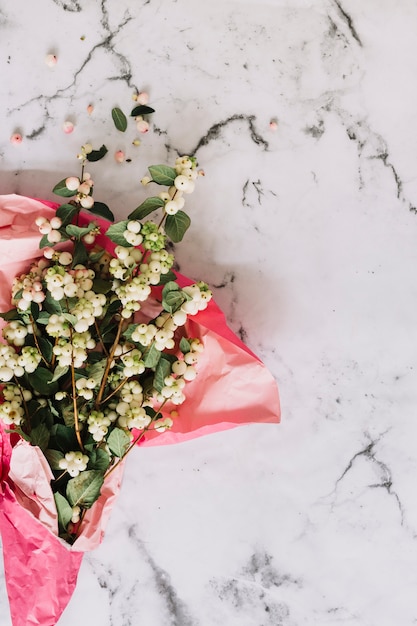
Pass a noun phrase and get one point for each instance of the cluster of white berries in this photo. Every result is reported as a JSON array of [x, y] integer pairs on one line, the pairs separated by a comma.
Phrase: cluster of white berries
[[75, 352], [12, 410], [15, 332], [132, 233], [85, 387], [50, 228], [74, 463], [28, 288], [14, 364], [200, 296], [182, 371], [83, 187], [132, 415], [183, 183], [98, 424]]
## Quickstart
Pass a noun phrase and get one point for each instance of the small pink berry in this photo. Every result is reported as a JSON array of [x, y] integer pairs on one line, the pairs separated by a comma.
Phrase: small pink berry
[[142, 97], [90, 109], [16, 138], [67, 127], [142, 126], [51, 60], [72, 183], [119, 156], [273, 125]]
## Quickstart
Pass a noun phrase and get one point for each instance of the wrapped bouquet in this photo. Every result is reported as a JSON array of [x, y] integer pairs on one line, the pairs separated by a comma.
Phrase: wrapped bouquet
[[104, 346]]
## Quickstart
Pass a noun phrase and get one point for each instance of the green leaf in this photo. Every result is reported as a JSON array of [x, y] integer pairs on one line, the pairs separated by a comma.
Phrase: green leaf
[[99, 459], [167, 278], [96, 155], [51, 305], [119, 119], [64, 510], [100, 285], [115, 233], [44, 242], [64, 438], [149, 205], [66, 212], [43, 318], [118, 442], [96, 370], [142, 109], [84, 489], [163, 174], [62, 190], [172, 297], [79, 255], [53, 457], [39, 436], [101, 209], [151, 356], [41, 381], [163, 370], [79, 231], [67, 413], [59, 372], [46, 348], [177, 225], [185, 345], [10, 315]]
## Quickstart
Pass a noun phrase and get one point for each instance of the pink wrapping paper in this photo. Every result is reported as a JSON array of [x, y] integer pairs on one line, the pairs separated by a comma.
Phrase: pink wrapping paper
[[232, 387]]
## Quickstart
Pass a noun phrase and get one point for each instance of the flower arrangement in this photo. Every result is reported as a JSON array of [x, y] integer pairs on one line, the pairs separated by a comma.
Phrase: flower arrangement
[[101, 345], [86, 368]]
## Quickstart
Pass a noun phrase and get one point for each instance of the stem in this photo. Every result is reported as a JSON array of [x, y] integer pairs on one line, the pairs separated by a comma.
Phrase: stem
[[25, 406], [135, 441], [74, 397], [35, 339], [100, 336], [108, 364], [119, 386], [55, 480]]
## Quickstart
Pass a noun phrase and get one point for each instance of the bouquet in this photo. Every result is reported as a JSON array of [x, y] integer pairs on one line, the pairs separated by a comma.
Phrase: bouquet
[[105, 346]]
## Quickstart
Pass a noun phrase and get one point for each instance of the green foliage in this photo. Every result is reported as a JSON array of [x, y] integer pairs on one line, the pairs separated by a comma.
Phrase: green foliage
[[54, 457], [177, 225], [62, 190], [64, 510], [147, 207], [102, 210], [118, 442], [142, 109], [84, 489], [172, 297], [119, 119], [163, 174], [67, 212], [39, 436], [97, 155], [185, 345], [41, 381], [115, 233]]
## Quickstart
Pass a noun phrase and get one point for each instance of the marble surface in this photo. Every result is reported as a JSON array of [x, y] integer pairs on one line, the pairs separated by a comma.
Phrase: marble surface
[[307, 235]]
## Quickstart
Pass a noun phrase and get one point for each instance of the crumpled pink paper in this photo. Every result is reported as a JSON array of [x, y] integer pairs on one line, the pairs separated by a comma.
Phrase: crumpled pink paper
[[232, 387]]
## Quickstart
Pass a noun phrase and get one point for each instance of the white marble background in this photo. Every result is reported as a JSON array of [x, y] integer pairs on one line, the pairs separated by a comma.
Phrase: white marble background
[[308, 236]]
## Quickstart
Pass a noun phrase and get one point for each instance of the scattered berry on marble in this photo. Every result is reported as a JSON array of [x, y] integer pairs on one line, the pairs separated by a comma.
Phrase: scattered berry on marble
[[119, 156], [67, 127], [16, 138], [51, 60]]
